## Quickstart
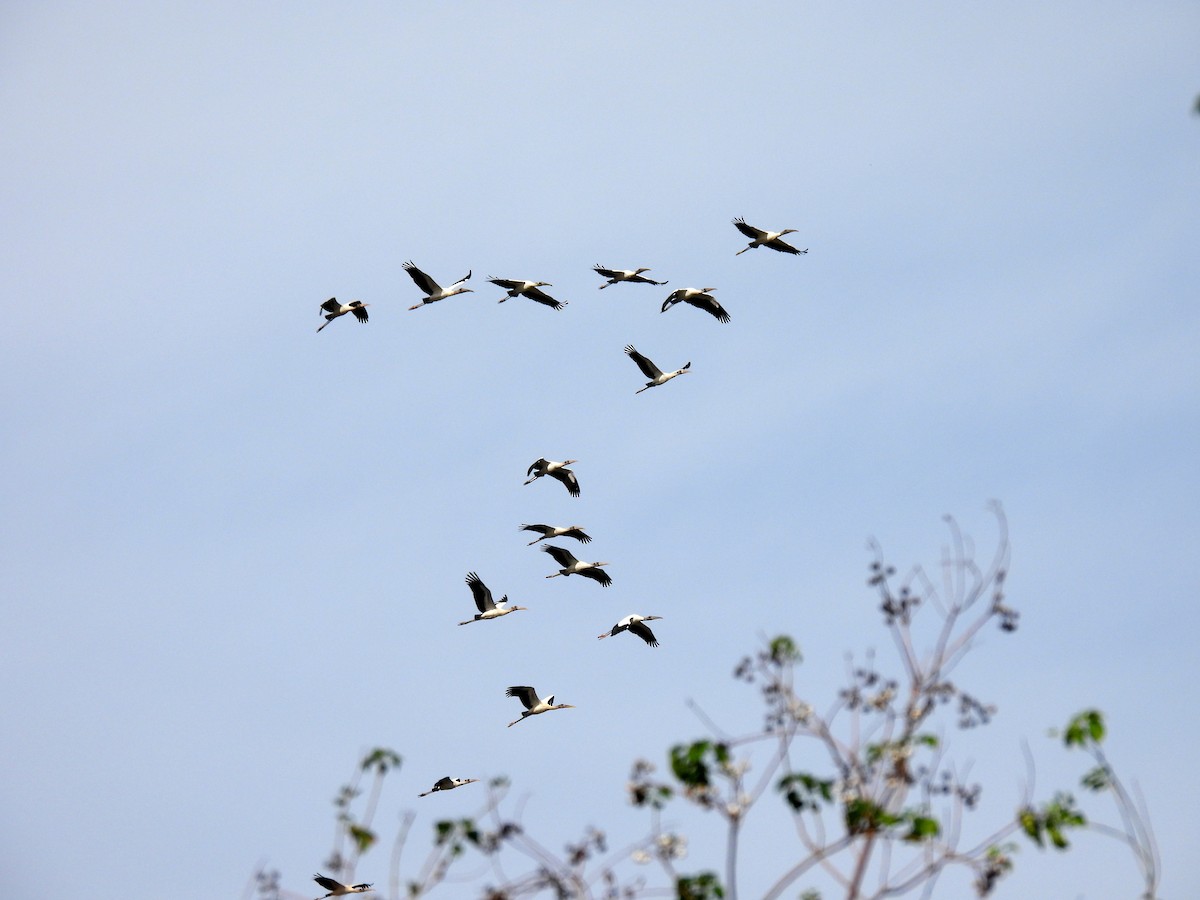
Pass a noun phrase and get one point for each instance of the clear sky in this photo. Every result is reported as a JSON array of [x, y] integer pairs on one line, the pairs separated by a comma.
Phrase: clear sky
[[234, 549]]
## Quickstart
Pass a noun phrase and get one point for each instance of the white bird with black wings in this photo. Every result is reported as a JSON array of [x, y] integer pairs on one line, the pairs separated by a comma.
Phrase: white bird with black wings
[[488, 608], [332, 310], [556, 470], [760, 238], [447, 784], [656, 375], [554, 531], [701, 298], [634, 624], [434, 291], [572, 566], [633, 276], [533, 704], [530, 289], [337, 889]]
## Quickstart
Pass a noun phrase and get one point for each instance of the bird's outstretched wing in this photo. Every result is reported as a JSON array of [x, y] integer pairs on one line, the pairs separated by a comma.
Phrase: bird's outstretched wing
[[749, 230], [562, 556], [642, 630], [481, 592], [597, 575], [523, 692], [784, 247], [649, 369], [709, 304], [423, 281], [540, 296], [567, 477]]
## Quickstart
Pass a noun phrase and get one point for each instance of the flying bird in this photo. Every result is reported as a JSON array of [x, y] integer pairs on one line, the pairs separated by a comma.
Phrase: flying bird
[[333, 309], [554, 531], [488, 608], [701, 298], [530, 289], [447, 784], [760, 238], [558, 470], [656, 375], [434, 291], [533, 705], [337, 889], [572, 566], [633, 276], [634, 625]]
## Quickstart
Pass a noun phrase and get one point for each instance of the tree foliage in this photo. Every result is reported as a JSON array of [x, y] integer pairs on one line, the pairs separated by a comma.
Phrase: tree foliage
[[878, 809]]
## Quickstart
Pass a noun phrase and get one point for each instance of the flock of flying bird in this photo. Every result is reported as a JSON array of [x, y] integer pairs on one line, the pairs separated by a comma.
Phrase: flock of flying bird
[[488, 607]]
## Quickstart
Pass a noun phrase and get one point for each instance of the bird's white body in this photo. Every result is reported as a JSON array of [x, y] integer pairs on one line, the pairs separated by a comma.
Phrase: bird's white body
[[534, 705], [530, 289], [701, 298], [337, 889], [434, 291], [633, 276], [331, 310], [488, 608], [634, 625], [760, 238], [656, 375], [556, 531], [569, 565], [556, 470], [447, 784]]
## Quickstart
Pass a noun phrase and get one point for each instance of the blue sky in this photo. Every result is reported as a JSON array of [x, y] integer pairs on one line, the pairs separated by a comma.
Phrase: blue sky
[[234, 549]]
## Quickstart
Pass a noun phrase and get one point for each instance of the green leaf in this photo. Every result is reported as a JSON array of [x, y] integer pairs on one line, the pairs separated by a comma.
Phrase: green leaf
[[923, 828], [1031, 823], [704, 886], [363, 837], [381, 758], [863, 816], [784, 650], [687, 763], [1098, 779], [1086, 727], [804, 791]]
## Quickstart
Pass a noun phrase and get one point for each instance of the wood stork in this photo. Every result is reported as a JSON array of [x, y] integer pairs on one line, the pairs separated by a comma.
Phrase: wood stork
[[530, 289], [332, 309], [434, 291], [760, 238], [572, 566], [336, 888], [488, 608], [554, 531], [633, 624], [701, 298], [447, 784], [533, 704], [633, 276], [557, 470], [656, 375]]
